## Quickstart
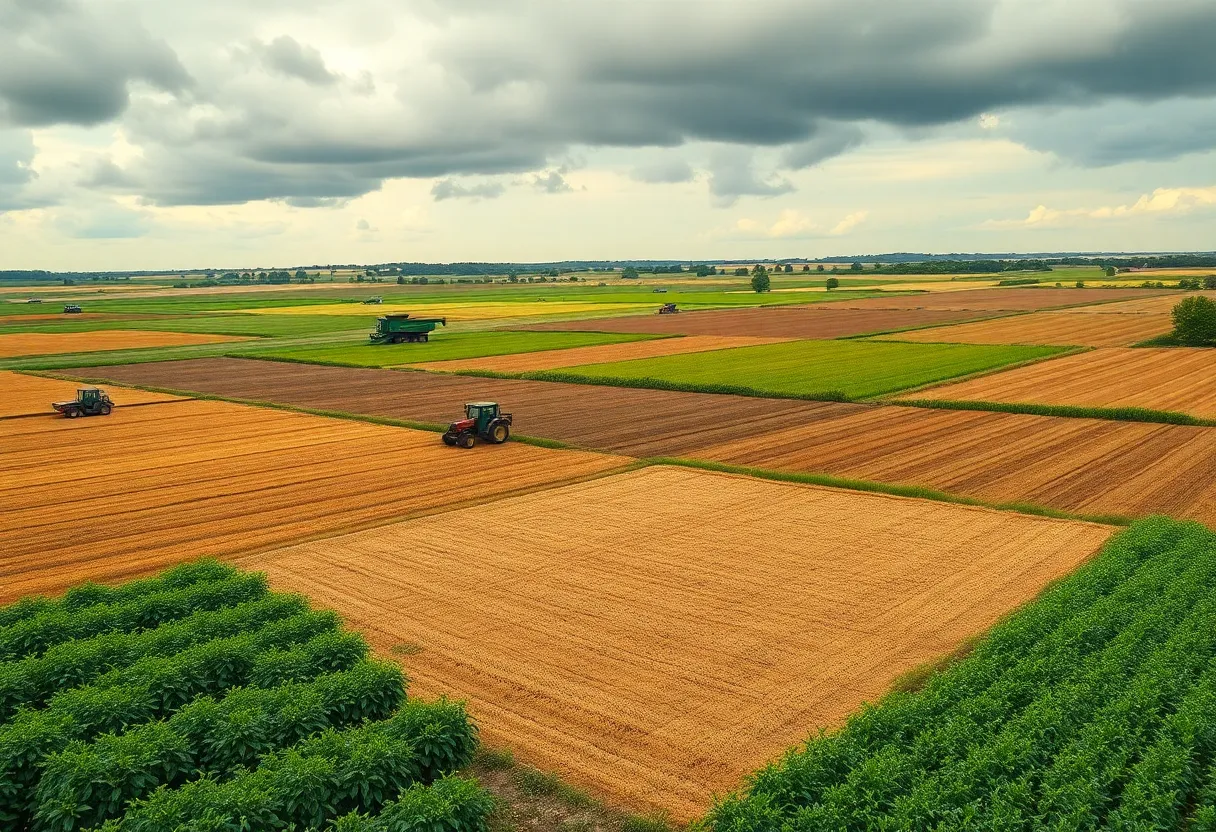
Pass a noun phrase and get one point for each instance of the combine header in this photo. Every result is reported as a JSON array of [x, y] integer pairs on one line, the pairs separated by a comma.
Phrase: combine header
[[393, 329]]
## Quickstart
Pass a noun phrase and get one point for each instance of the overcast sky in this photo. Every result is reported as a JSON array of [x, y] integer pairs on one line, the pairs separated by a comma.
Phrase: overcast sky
[[153, 134]]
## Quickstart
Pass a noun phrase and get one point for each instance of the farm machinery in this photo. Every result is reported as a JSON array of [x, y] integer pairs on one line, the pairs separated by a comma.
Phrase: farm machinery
[[482, 419], [668, 309], [89, 401], [399, 327], [71, 309]]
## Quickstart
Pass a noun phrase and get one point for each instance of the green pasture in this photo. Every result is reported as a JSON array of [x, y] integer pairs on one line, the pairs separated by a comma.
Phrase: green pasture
[[443, 347], [270, 326], [807, 369]]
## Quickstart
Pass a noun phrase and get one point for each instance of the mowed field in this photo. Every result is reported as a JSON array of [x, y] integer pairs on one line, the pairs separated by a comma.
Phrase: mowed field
[[628, 421], [1179, 380], [32, 395], [648, 636], [1010, 299], [1150, 306], [51, 343], [107, 498], [1088, 466], [813, 321], [554, 359], [1081, 327], [456, 311]]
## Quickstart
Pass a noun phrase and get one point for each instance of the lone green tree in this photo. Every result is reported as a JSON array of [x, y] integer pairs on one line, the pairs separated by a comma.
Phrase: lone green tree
[[832, 283], [760, 280], [1195, 321]]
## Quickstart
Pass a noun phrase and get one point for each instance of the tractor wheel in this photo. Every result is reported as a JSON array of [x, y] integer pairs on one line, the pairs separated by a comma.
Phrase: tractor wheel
[[449, 440], [72, 412], [500, 433], [105, 410], [465, 440]]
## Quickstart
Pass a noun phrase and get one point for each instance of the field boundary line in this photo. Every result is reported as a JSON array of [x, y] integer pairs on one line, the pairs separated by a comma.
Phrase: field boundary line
[[116, 407], [1000, 315], [388, 421], [1065, 411], [917, 492], [1064, 352]]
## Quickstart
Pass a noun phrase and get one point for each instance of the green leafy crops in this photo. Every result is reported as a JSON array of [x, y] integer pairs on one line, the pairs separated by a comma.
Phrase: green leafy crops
[[806, 369], [199, 699], [1092, 708], [443, 347]]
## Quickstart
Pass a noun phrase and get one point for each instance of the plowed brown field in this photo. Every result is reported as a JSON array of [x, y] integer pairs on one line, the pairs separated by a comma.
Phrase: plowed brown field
[[552, 359], [634, 422], [1082, 328], [811, 321], [1090, 466], [53, 343], [28, 395], [1012, 299], [107, 498], [651, 637], [1158, 305], [1182, 380]]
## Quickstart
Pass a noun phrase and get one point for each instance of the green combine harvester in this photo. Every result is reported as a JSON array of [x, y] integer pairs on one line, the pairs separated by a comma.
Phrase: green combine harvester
[[400, 327]]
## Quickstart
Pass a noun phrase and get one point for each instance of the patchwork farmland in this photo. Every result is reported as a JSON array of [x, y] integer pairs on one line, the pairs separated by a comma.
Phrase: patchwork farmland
[[1173, 380], [555, 631], [1081, 327], [1022, 299], [43, 343]]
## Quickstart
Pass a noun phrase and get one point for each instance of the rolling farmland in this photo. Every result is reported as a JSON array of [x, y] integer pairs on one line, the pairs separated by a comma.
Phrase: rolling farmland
[[813, 369], [634, 422], [454, 310], [174, 481], [32, 395], [1175, 380], [1088, 466], [1080, 327], [1092, 708], [114, 700], [1023, 299], [46, 343], [816, 321], [574, 356], [649, 637]]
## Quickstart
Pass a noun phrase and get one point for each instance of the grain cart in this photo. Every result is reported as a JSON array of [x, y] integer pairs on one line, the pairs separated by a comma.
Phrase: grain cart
[[668, 309], [89, 401], [480, 419], [71, 309], [393, 329]]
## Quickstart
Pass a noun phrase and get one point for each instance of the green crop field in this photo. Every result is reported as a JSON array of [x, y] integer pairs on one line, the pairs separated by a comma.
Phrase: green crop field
[[272, 326], [1092, 708], [444, 346], [813, 369], [169, 702]]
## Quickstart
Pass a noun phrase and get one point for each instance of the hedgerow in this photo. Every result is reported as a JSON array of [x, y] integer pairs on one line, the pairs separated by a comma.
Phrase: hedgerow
[[337, 772], [199, 700], [1092, 708], [58, 624], [31, 681]]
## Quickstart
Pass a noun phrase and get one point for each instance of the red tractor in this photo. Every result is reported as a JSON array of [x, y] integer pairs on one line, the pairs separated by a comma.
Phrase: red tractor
[[480, 419]]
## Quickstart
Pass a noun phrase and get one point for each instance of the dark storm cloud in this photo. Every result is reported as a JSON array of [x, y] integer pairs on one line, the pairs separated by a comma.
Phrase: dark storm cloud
[[61, 63], [16, 153], [510, 87]]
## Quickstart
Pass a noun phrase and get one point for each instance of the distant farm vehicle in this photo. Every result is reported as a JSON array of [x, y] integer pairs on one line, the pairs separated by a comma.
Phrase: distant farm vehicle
[[668, 309], [373, 300], [71, 309], [34, 300], [394, 329], [482, 419], [89, 401], [659, 291]]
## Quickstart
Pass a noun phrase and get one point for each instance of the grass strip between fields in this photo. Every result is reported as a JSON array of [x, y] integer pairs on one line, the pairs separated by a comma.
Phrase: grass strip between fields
[[915, 491], [1117, 414]]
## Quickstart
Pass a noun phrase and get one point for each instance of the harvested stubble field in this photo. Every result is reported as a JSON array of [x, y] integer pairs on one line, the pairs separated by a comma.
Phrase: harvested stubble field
[[1178, 380], [54, 343], [1147, 306], [1011, 299], [176, 481], [810, 321], [1082, 328], [1088, 466], [555, 359], [647, 635], [622, 420], [31, 395], [454, 311]]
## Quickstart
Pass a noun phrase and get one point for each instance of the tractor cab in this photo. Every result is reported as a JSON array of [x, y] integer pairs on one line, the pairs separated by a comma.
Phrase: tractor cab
[[89, 401], [482, 419]]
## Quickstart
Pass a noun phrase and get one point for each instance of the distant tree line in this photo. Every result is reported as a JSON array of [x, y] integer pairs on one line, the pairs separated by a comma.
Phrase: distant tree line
[[964, 267]]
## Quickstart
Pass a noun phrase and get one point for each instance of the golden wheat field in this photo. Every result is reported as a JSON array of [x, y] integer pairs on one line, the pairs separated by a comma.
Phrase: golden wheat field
[[105, 498], [28, 395], [649, 637]]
